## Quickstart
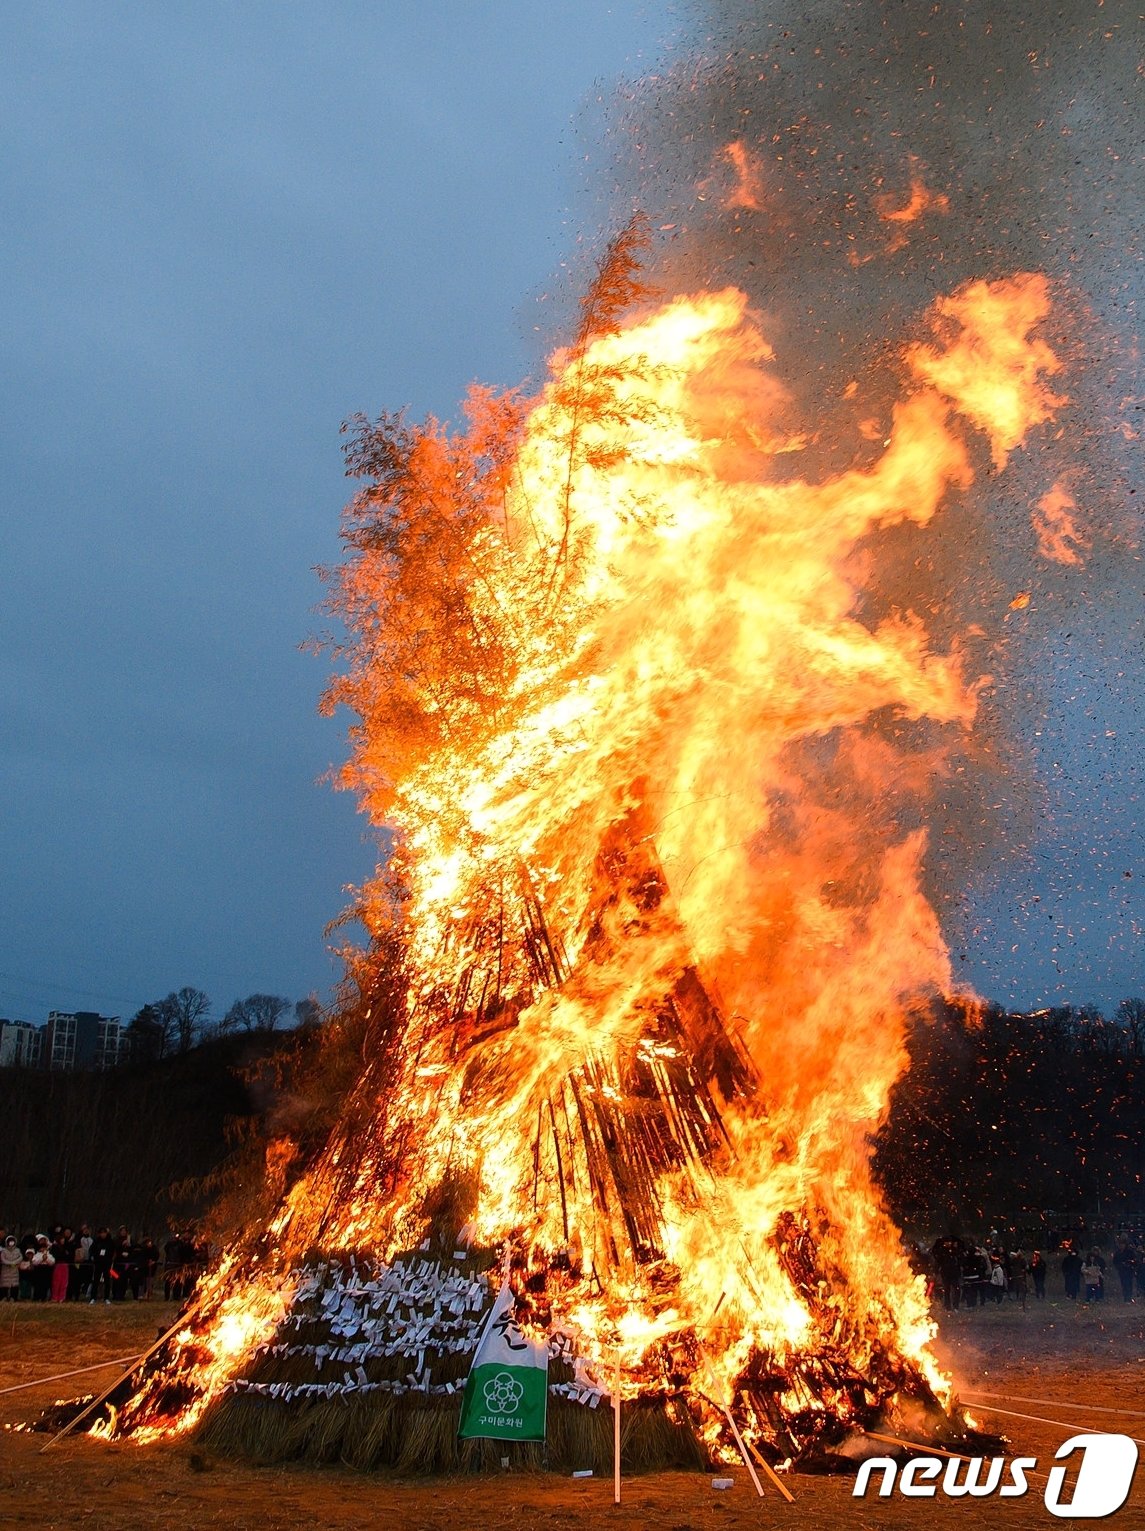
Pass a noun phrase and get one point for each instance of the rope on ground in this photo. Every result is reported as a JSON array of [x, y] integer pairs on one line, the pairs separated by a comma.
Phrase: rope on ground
[[78, 1372], [1054, 1403], [1040, 1419]]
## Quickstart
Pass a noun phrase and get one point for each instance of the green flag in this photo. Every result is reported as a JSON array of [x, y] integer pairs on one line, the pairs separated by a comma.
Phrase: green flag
[[508, 1387]]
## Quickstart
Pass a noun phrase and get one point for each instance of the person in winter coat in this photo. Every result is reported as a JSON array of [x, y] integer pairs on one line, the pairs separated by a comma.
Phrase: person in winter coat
[[1091, 1275], [61, 1251], [997, 1281], [1018, 1275], [149, 1264], [947, 1256], [1125, 1263], [11, 1258], [1098, 1259], [102, 1250], [1038, 1272], [27, 1243], [1071, 1274], [80, 1285], [41, 1264], [121, 1267]]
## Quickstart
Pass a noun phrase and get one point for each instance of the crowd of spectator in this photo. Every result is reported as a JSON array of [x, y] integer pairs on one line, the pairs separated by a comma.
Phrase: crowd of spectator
[[968, 1274], [63, 1265]]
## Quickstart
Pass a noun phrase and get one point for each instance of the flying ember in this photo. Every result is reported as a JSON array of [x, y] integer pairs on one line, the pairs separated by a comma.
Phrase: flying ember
[[635, 727]]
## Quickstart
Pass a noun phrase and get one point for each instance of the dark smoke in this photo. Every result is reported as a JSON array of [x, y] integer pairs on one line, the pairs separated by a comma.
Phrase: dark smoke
[[1027, 119]]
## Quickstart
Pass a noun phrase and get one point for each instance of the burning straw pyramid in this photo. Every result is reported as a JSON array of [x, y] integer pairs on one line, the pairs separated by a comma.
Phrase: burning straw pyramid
[[629, 714]]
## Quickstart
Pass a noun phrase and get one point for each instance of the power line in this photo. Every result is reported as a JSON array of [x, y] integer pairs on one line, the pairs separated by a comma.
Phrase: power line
[[44, 986]]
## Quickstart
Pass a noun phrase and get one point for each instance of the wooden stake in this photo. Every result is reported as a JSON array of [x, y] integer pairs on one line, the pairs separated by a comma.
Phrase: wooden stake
[[180, 1323], [930, 1451], [1051, 1403], [1040, 1419], [616, 1433], [747, 1462], [935, 1451], [772, 1474]]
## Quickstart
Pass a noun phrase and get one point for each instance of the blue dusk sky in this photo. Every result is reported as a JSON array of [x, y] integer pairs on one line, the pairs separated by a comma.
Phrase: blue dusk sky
[[225, 229]]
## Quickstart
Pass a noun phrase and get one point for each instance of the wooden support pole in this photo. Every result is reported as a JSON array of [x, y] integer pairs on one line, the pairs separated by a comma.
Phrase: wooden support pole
[[930, 1451], [935, 1451], [1040, 1419], [747, 1462], [739, 1440], [616, 1432], [1048, 1403], [727, 1413], [772, 1474], [180, 1323]]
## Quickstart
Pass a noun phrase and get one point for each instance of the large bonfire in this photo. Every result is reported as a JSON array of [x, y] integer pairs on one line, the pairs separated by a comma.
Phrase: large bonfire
[[630, 716]]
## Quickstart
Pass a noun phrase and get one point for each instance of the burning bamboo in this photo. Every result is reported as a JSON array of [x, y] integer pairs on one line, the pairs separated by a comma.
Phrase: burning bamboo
[[619, 701]]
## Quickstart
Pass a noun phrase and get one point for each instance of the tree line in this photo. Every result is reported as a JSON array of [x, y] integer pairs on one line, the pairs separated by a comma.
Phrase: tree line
[[1002, 1119], [182, 1020], [1029, 1119], [140, 1144]]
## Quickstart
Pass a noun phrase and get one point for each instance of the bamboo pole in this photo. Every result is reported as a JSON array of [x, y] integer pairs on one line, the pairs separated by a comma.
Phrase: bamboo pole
[[935, 1451], [179, 1323], [930, 1451], [747, 1462], [727, 1413]]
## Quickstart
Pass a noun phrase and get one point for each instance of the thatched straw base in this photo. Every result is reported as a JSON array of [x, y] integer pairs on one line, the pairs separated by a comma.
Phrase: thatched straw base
[[418, 1436]]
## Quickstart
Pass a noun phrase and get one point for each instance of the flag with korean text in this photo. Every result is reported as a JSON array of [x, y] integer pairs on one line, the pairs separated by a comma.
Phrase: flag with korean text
[[508, 1387]]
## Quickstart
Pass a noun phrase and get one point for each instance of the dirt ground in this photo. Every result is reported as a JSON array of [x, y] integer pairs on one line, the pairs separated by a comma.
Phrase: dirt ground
[[1054, 1352]]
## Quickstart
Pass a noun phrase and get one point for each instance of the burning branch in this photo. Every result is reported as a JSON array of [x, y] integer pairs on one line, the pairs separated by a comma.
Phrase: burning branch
[[618, 708]]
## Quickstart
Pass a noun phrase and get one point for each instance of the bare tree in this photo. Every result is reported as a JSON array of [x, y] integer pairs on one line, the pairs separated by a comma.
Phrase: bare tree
[[182, 1016], [1131, 1015], [307, 1013], [146, 1035], [258, 1012]]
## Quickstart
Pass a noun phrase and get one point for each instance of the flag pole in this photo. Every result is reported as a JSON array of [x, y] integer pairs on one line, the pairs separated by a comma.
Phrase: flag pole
[[616, 1432]]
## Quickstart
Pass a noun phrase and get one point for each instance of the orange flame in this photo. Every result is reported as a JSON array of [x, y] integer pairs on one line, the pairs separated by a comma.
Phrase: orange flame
[[747, 189], [237, 1310], [708, 625], [677, 788], [921, 201], [993, 370], [1058, 536]]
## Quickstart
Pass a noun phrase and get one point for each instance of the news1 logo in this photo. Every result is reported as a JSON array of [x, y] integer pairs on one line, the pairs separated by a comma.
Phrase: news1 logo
[[1104, 1476]]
